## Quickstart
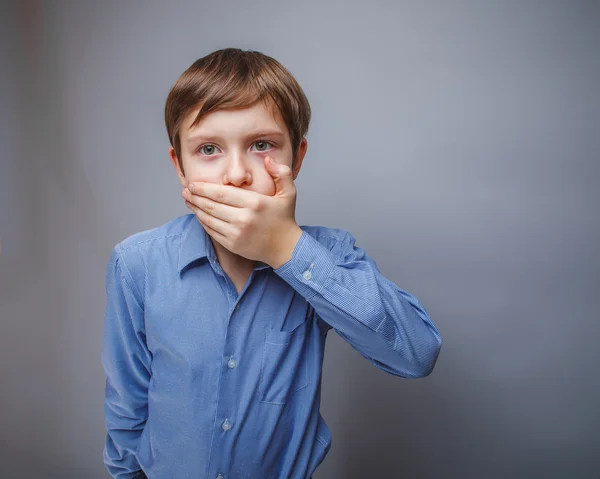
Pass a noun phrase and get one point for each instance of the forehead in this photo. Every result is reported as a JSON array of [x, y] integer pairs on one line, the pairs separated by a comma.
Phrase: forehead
[[258, 115]]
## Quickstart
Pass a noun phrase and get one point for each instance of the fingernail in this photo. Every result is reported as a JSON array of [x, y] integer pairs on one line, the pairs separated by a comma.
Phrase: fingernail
[[191, 187]]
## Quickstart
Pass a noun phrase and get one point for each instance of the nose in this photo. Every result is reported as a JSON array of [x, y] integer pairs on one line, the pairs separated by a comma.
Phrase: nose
[[237, 171]]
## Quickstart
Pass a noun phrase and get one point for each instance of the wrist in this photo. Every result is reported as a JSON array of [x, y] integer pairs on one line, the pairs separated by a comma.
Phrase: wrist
[[284, 248]]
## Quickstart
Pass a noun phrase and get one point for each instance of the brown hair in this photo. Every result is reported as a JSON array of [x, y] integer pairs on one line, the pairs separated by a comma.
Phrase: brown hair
[[234, 78]]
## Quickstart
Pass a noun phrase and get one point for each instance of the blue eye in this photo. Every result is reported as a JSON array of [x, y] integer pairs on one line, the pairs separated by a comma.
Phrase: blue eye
[[211, 149], [264, 145]]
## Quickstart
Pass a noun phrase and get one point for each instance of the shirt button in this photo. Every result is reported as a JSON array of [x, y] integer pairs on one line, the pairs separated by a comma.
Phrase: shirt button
[[231, 362], [226, 425], [307, 275], [220, 476]]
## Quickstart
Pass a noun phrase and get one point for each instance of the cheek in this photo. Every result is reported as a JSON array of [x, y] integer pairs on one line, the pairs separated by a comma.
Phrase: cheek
[[195, 171], [204, 178]]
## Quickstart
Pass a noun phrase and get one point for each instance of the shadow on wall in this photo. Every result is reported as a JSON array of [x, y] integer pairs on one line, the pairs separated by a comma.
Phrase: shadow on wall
[[45, 216]]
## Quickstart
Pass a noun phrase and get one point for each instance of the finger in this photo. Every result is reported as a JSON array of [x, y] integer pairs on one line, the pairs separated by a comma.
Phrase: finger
[[227, 194], [218, 225], [282, 176], [222, 211], [215, 234]]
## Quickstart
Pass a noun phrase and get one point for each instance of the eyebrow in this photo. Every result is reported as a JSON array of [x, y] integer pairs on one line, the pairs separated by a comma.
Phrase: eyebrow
[[256, 134]]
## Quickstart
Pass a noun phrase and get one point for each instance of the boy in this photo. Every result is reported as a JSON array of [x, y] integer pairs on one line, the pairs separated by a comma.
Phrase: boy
[[216, 322]]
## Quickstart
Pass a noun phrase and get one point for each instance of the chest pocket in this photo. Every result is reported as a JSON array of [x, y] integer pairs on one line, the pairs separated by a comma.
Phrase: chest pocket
[[283, 369]]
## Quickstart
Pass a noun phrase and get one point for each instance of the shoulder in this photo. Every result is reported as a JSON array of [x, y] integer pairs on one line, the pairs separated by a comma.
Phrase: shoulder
[[138, 251], [154, 236]]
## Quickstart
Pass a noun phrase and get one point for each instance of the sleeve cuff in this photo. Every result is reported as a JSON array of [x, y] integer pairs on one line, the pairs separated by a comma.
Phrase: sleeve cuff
[[309, 268]]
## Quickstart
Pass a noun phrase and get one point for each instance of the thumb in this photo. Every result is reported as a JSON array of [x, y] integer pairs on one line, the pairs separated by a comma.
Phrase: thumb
[[282, 176]]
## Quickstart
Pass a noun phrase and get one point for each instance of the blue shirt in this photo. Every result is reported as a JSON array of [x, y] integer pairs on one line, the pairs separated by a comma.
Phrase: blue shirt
[[204, 383]]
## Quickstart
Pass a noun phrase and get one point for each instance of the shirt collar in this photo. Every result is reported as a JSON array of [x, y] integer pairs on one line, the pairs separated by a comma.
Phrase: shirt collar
[[196, 244]]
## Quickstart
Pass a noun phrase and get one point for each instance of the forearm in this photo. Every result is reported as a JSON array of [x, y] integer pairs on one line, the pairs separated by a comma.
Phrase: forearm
[[126, 363], [384, 323]]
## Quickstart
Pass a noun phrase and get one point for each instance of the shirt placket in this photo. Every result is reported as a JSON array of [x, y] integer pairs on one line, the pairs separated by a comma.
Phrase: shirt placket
[[225, 419]]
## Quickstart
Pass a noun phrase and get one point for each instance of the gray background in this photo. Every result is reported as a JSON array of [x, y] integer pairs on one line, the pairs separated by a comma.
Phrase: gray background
[[458, 141]]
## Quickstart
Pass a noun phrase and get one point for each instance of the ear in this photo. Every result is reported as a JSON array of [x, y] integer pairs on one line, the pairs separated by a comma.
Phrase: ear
[[299, 157], [175, 161]]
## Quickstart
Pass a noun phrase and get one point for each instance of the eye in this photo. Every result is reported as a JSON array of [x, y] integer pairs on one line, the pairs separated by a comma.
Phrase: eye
[[207, 149], [262, 145]]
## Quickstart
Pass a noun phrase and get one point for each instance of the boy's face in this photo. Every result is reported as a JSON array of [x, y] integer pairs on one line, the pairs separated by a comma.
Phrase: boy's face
[[229, 147]]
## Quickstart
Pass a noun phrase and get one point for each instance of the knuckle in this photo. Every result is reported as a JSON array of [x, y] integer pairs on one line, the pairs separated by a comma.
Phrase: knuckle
[[245, 222]]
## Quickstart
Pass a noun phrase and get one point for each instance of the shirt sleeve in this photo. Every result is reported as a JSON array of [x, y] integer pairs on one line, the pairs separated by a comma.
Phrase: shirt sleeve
[[386, 324], [126, 364]]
